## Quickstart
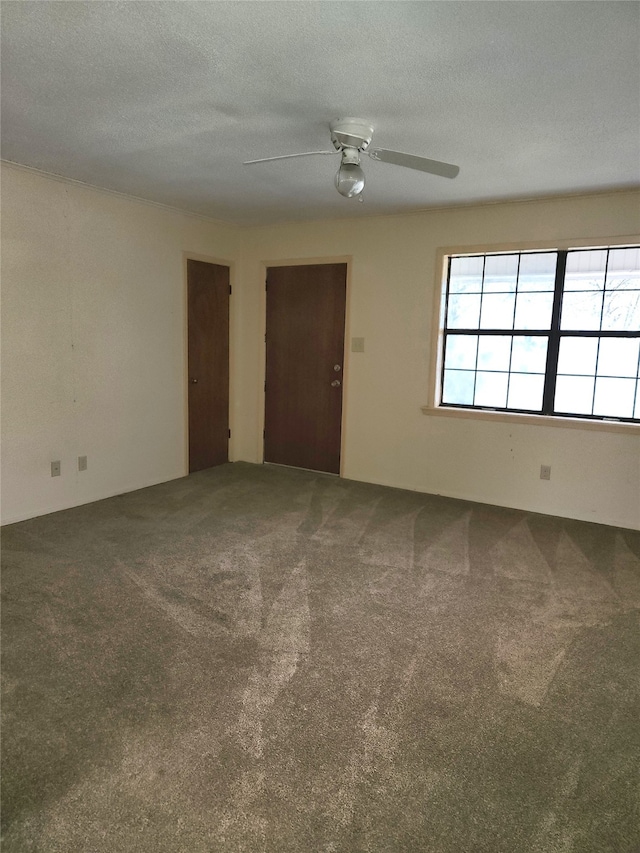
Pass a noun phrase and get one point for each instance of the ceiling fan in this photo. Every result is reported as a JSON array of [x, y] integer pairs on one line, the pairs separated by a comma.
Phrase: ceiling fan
[[351, 138]]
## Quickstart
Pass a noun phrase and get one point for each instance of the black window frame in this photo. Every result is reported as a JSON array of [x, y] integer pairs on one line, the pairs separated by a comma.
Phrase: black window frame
[[553, 334]]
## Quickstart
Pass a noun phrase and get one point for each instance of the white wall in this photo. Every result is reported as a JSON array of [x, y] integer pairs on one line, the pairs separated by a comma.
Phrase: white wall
[[93, 351], [92, 341], [387, 439]]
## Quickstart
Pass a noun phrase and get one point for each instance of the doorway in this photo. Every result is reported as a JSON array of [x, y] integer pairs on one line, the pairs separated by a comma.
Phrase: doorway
[[208, 293], [304, 365]]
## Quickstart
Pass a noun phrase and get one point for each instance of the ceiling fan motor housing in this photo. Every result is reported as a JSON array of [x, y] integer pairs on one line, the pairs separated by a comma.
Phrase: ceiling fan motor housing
[[350, 133]]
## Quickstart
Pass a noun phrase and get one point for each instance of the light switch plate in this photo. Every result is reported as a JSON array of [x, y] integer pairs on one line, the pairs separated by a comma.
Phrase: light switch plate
[[357, 344]]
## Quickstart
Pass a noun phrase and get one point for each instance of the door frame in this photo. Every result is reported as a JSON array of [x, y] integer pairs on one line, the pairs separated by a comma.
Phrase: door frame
[[303, 262], [207, 259]]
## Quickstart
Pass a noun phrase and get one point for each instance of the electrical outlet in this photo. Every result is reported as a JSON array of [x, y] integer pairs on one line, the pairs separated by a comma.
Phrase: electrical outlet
[[545, 472], [55, 469], [82, 463]]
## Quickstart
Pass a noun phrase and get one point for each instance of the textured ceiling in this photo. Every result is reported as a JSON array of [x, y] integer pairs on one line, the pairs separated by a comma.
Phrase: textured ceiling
[[164, 100]]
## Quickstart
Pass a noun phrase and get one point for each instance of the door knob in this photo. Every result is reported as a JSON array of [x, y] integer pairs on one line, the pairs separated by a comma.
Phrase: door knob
[[337, 367], [335, 383], [193, 381]]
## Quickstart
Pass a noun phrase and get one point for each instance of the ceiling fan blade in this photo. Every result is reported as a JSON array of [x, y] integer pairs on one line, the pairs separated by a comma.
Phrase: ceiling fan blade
[[286, 157], [411, 161]]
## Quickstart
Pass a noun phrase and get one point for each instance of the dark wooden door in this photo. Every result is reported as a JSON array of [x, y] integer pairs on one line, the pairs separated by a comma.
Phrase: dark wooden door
[[208, 358], [305, 350]]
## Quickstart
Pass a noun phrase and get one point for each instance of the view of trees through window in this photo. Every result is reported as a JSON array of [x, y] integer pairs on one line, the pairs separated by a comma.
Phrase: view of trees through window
[[547, 332]]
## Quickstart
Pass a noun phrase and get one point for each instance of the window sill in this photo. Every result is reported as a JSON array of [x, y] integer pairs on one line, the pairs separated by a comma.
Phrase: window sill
[[538, 420]]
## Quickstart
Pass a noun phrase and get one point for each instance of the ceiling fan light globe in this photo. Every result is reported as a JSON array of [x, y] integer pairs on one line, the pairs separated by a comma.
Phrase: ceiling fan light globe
[[349, 180]]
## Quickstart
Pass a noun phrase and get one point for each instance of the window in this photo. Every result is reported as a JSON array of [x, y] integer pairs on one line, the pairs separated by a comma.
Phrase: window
[[544, 332]]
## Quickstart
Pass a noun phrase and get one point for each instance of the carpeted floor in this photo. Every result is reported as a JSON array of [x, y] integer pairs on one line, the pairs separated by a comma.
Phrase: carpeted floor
[[262, 659]]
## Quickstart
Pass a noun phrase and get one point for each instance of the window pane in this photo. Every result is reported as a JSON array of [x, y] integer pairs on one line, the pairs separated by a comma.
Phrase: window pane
[[614, 398], [581, 311], [533, 310], [621, 311], [458, 387], [464, 311], [466, 275], [529, 355], [574, 395], [525, 391], [623, 271], [494, 352], [491, 389], [585, 270], [500, 273], [578, 355], [461, 351], [618, 357], [497, 311], [499, 293], [537, 271]]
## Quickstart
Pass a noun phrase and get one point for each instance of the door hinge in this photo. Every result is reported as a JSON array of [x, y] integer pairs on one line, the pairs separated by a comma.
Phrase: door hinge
[[230, 290], [229, 433]]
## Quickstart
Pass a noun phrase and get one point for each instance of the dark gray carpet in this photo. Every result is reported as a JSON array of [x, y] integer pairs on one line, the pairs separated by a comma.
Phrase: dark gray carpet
[[262, 659]]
